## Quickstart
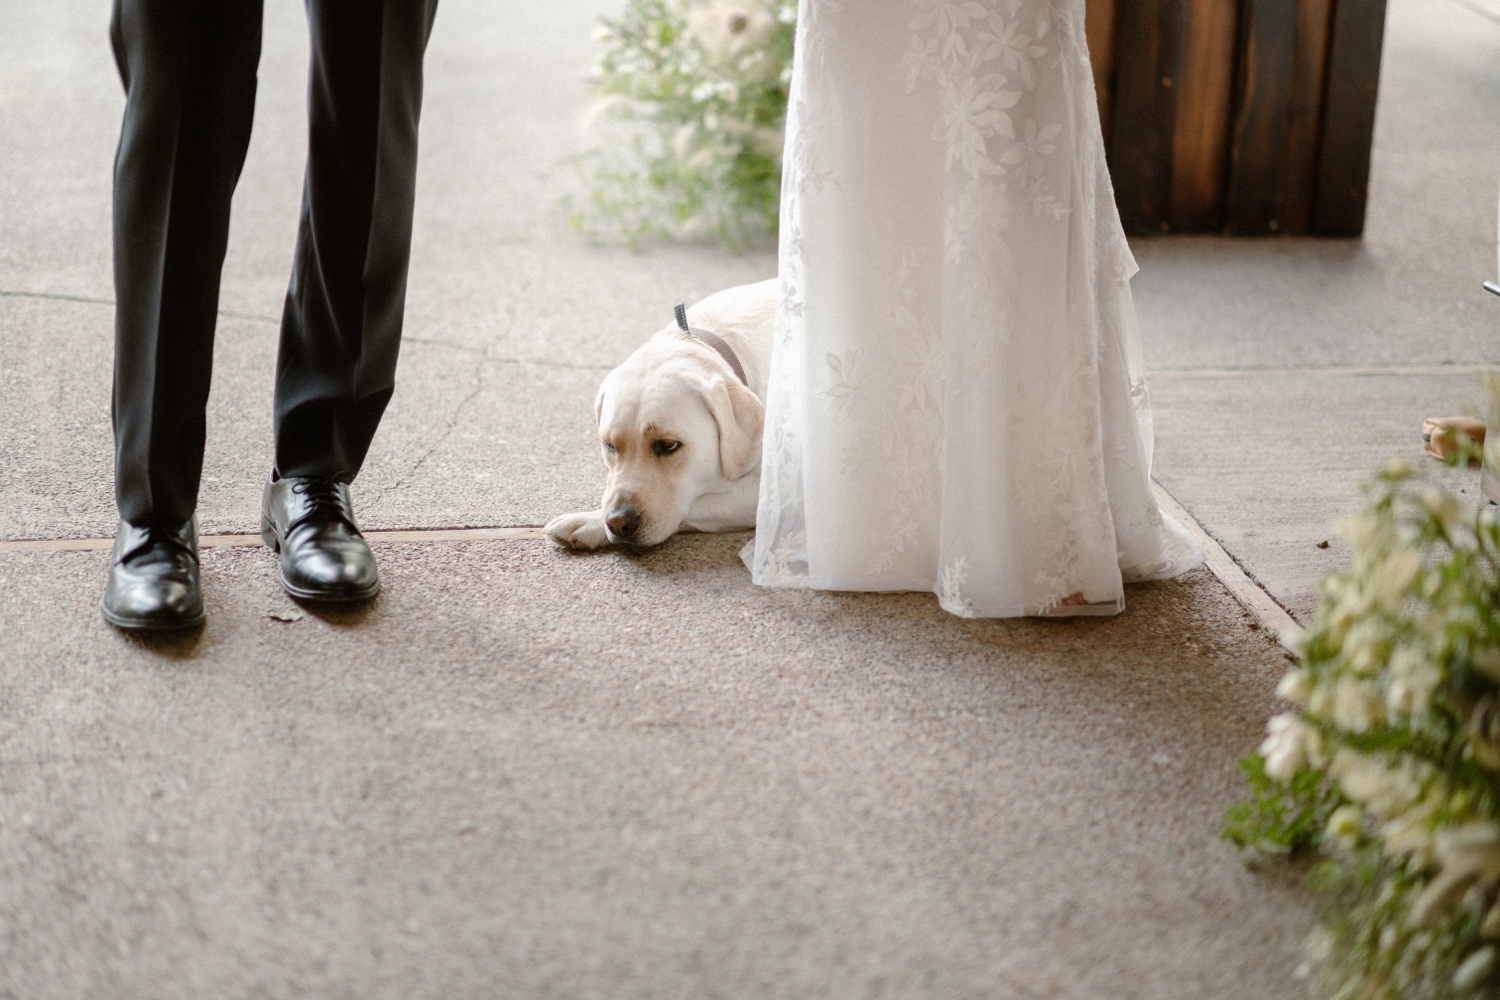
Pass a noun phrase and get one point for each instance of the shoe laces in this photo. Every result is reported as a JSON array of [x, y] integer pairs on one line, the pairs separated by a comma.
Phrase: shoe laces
[[323, 498]]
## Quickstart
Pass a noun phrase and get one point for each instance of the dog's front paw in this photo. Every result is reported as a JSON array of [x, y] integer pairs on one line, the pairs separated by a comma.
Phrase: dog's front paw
[[584, 530]]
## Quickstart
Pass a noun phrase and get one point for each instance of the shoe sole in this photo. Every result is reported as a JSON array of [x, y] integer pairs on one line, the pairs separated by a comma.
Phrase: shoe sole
[[148, 625], [273, 542]]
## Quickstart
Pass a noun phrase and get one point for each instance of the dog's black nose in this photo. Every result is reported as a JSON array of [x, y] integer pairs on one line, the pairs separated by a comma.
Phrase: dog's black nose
[[622, 521]]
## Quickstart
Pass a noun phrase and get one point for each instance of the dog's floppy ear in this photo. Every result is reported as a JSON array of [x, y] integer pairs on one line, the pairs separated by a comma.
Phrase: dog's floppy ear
[[740, 415]]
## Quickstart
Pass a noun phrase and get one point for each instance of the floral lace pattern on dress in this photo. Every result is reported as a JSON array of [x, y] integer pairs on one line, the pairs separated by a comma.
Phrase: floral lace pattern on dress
[[956, 402]]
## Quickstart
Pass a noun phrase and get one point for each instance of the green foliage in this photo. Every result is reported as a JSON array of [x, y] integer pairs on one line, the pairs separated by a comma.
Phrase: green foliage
[[1366, 948], [1280, 816], [1389, 764], [692, 110]]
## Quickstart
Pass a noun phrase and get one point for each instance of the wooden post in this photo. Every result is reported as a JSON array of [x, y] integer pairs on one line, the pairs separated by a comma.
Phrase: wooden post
[[1200, 139], [1348, 118], [1305, 112], [1247, 117], [1257, 178], [1148, 37]]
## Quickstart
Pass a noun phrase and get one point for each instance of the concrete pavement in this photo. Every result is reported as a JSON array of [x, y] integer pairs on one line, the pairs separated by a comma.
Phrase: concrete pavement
[[522, 772], [525, 773]]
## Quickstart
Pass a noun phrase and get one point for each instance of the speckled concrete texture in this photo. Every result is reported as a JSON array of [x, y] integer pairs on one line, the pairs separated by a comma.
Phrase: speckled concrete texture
[[527, 773], [1296, 450], [524, 773]]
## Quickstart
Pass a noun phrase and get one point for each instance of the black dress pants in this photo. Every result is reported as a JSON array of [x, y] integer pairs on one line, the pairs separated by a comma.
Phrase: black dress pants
[[189, 70]]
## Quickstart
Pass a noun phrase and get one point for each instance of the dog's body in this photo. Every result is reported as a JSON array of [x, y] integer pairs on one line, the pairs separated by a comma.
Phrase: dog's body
[[680, 432]]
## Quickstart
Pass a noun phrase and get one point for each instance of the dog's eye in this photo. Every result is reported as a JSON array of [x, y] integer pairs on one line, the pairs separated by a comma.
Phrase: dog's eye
[[609, 447], [664, 447]]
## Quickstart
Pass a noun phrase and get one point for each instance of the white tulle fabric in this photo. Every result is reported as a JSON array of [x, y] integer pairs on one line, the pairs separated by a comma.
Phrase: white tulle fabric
[[956, 400]]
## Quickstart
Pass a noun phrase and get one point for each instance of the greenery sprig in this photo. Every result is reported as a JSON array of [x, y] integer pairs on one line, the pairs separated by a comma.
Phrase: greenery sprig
[[691, 112], [1388, 764]]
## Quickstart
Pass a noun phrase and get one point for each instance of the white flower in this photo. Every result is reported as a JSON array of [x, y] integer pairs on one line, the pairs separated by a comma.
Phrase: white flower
[[1287, 744], [1475, 969], [758, 65], [1364, 645], [1355, 707], [1345, 825], [605, 107], [726, 29], [1295, 687], [1397, 574], [1409, 835], [684, 141], [1319, 949], [1469, 854], [1386, 791], [1414, 679], [1441, 505], [1360, 531]]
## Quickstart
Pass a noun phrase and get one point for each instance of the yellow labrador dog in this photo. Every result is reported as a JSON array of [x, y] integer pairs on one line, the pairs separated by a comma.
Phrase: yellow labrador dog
[[679, 425]]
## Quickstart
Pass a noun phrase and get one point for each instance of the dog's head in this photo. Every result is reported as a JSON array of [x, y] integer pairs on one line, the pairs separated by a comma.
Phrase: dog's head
[[674, 425]]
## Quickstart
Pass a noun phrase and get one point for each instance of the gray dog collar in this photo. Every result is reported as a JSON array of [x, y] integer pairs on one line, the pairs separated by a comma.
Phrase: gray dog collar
[[712, 340]]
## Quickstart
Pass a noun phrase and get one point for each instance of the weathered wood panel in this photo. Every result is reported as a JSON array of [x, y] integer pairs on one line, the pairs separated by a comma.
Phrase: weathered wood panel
[[1305, 113], [1242, 116], [1205, 95], [1348, 118], [1257, 176], [1148, 37], [1099, 26]]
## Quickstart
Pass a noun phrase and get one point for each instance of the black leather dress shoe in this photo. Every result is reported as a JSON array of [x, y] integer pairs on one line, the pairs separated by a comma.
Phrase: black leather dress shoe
[[310, 522], [153, 581]]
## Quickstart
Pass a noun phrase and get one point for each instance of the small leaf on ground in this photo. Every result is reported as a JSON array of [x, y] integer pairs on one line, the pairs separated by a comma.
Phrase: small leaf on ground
[[288, 615]]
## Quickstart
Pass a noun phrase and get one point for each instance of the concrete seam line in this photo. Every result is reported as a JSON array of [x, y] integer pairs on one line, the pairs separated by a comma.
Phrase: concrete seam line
[[1456, 368], [1493, 13], [512, 534], [541, 363], [1367, 371], [1241, 586], [92, 300]]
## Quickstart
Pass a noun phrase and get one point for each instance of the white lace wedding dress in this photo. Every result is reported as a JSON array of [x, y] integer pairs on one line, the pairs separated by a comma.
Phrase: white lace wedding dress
[[956, 401]]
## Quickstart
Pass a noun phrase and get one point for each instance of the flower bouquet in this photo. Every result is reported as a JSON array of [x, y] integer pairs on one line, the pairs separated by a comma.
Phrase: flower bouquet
[[1389, 764], [692, 111]]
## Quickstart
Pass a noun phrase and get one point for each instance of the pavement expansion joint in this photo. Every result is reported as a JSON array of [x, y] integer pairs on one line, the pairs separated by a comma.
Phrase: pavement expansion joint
[[1327, 371], [1485, 8], [96, 300], [251, 317], [1244, 588], [510, 534]]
